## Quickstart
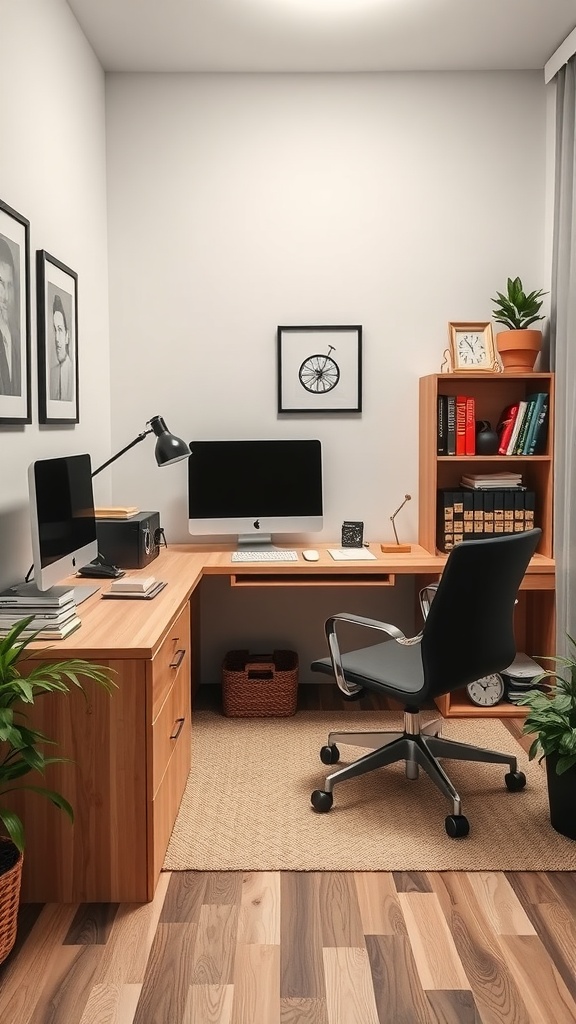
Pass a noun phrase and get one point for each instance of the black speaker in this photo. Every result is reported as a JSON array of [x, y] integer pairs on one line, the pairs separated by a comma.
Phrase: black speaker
[[129, 543]]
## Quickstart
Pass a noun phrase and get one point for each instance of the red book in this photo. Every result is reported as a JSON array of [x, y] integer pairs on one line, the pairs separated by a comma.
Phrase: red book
[[460, 425], [470, 436], [506, 426]]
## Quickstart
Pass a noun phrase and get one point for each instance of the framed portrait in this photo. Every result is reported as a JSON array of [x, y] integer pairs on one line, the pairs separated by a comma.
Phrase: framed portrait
[[57, 292], [472, 348], [15, 387], [320, 369]]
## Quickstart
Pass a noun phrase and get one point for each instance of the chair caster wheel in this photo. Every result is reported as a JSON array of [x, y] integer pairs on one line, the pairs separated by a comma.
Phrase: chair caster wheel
[[330, 754], [321, 801], [515, 781], [457, 826]]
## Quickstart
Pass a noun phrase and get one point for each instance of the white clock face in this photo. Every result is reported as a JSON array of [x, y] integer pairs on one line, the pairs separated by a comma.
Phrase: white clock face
[[471, 349], [487, 691]]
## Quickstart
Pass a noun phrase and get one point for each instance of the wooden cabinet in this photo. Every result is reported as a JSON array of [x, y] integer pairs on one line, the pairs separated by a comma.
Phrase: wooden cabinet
[[535, 623], [129, 752]]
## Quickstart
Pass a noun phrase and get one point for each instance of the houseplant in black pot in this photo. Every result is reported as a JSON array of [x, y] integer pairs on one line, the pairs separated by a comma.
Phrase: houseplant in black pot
[[22, 751], [520, 343], [552, 718]]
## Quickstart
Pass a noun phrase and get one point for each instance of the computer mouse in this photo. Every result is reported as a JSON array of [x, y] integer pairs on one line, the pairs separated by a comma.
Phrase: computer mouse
[[310, 555]]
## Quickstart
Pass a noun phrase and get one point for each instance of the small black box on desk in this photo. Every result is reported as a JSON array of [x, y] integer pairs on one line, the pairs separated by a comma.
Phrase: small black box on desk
[[129, 543]]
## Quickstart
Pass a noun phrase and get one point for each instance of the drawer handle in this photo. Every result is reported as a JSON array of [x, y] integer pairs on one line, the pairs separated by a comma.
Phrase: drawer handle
[[178, 658], [179, 722]]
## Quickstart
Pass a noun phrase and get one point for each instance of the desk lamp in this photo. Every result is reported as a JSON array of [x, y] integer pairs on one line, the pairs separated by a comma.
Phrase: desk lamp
[[169, 449]]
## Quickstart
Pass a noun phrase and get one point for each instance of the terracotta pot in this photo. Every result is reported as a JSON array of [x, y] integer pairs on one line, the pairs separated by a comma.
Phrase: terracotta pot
[[518, 350]]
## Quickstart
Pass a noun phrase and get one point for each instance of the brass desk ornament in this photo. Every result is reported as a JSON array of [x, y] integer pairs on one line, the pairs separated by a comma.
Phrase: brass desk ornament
[[391, 548]]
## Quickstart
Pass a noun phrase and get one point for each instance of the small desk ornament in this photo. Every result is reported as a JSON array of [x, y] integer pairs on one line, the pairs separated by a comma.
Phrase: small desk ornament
[[397, 546]]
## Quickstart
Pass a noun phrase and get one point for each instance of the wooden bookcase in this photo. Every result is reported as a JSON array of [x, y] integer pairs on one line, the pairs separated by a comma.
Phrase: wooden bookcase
[[535, 622]]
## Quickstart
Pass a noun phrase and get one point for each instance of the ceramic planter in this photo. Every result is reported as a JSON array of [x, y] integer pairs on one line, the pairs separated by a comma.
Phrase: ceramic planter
[[562, 798], [518, 350]]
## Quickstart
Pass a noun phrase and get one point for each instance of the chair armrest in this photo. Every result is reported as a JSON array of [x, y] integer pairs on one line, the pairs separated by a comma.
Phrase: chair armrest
[[330, 627], [426, 596]]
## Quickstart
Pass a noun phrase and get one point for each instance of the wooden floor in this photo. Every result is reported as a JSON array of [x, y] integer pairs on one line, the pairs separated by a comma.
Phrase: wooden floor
[[304, 948]]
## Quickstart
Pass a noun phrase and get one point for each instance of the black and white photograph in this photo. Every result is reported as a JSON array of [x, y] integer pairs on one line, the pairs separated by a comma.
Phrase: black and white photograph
[[57, 287], [14, 317], [320, 369]]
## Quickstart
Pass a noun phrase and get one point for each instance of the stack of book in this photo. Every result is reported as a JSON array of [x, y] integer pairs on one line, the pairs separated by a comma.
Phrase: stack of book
[[522, 426], [489, 481], [54, 611]]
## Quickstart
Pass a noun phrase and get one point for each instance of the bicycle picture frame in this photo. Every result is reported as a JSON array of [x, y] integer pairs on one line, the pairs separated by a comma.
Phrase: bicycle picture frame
[[319, 369]]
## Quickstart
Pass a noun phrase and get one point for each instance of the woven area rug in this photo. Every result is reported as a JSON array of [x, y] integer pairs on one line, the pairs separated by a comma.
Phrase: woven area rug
[[247, 804]]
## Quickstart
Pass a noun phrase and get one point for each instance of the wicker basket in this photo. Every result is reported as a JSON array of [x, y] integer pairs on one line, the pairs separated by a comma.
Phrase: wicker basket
[[9, 899], [259, 685]]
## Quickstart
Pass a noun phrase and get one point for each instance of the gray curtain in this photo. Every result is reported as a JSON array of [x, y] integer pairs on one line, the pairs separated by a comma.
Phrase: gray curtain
[[563, 351]]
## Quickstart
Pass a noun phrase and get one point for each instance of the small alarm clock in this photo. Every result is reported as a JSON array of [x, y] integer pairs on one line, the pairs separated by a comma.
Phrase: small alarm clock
[[352, 535], [486, 691]]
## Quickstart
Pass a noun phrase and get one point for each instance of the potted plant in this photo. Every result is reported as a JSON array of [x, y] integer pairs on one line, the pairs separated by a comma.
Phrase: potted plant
[[519, 345], [552, 718], [21, 752]]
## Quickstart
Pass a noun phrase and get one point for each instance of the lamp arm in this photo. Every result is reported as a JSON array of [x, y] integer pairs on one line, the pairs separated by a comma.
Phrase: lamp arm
[[122, 450]]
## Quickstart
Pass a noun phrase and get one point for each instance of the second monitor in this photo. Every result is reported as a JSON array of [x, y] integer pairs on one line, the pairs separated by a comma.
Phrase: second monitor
[[254, 489]]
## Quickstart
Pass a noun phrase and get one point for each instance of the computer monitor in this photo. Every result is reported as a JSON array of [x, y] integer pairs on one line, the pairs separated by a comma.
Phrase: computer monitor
[[254, 489], [62, 517]]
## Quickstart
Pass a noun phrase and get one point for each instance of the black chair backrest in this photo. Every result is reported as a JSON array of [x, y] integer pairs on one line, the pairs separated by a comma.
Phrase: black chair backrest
[[469, 631]]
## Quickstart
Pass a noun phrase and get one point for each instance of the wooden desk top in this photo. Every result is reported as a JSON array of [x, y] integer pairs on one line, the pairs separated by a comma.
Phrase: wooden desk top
[[127, 629]]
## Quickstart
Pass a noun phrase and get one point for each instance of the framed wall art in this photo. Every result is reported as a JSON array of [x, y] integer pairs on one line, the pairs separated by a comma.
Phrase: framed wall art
[[57, 289], [15, 387], [320, 369], [472, 348]]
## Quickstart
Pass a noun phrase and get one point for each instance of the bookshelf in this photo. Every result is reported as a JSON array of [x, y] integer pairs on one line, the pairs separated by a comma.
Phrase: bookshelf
[[535, 622]]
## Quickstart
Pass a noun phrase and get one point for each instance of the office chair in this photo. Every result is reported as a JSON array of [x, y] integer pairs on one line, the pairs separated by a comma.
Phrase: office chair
[[468, 633]]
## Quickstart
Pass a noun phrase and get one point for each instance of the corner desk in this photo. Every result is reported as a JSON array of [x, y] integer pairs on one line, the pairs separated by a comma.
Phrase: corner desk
[[131, 751]]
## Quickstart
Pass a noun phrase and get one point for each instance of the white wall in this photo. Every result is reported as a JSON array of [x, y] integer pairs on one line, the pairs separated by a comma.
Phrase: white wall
[[53, 172], [240, 202]]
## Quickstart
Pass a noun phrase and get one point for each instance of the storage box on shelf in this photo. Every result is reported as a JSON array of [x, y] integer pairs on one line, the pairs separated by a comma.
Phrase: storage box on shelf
[[535, 622]]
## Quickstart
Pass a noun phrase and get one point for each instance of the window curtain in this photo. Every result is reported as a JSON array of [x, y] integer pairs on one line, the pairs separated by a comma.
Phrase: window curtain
[[563, 351]]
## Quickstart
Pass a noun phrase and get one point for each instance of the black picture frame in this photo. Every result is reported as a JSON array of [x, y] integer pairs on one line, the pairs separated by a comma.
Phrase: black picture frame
[[319, 369], [57, 297], [15, 369]]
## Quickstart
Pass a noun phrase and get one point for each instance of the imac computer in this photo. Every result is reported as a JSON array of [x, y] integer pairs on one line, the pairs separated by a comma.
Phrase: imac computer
[[62, 518], [254, 489]]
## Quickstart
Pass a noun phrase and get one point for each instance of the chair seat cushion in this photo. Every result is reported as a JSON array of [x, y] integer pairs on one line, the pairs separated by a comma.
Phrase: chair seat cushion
[[390, 668]]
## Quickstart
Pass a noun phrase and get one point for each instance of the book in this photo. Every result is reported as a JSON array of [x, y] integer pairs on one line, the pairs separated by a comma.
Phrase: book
[[460, 425], [442, 426], [451, 425], [470, 432], [516, 428], [28, 595], [523, 432], [538, 437], [116, 512], [350, 554], [132, 585], [10, 615], [132, 595], [505, 427]]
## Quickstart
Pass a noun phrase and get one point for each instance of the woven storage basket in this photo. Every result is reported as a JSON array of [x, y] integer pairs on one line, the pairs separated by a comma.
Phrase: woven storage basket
[[9, 899], [259, 685]]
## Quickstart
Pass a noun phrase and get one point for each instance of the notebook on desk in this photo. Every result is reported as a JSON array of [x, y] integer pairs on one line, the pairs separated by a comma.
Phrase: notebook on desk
[[350, 554]]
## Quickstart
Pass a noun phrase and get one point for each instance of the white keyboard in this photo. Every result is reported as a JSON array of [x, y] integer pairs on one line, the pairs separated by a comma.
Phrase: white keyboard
[[265, 556]]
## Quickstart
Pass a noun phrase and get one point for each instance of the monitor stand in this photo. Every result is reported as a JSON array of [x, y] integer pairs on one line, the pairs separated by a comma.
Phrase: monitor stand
[[248, 542]]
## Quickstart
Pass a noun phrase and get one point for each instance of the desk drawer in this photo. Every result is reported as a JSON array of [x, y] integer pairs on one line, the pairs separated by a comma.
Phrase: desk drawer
[[172, 726], [172, 659], [167, 800]]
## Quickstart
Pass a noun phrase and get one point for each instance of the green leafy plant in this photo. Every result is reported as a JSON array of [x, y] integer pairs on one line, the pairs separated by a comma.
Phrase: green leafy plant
[[516, 310], [552, 714], [21, 746]]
